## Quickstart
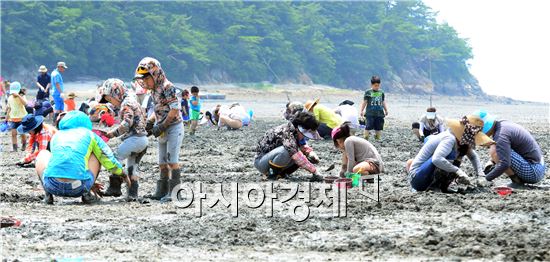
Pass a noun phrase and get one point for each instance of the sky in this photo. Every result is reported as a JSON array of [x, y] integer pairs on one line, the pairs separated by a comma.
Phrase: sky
[[510, 42]]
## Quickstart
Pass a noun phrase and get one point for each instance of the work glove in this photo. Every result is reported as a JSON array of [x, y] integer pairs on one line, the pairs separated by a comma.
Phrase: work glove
[[482, 182], [313, 158], [462, 177], [157, 130], [317, 177], [480, 173], [149, 128]]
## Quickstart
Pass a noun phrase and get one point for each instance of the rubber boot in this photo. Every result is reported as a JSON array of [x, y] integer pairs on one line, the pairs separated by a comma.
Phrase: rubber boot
[[114, 186], [275, 171], [289, 170], [24, 145], [48, 198], [133, 189], [162, 185], [172, 183], [89, 198], [444, 180], [517, 183], [14, 147]]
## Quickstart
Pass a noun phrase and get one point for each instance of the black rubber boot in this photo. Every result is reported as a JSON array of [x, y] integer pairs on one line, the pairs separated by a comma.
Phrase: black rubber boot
[[89, 198], [133, 189], [289, 170], [162, 186], [445, 180], [172, 183], [48, 198], [114, 186]]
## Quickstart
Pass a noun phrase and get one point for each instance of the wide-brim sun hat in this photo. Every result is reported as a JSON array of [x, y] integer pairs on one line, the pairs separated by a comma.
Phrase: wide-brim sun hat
[[311, 134], [488, 120], [457, 129], [62, 64], [29, 122], [42, 69], [310, 104]]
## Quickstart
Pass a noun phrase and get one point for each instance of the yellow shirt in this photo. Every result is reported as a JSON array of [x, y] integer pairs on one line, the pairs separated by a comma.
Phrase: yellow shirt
[[17, 109], [324, 115]]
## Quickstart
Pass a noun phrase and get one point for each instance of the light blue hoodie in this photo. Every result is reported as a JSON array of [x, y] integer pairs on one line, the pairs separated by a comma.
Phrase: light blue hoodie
[[72, 147]]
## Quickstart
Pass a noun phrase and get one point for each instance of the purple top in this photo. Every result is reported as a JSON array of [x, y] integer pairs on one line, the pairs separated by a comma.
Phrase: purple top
[[511, 136]]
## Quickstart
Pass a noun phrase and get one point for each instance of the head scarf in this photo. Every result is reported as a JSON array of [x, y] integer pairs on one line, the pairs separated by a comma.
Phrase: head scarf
[[470, 131], [153, 67]]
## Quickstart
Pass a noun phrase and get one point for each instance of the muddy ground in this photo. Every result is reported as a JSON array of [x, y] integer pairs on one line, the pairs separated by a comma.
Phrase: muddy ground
[[407, 225]]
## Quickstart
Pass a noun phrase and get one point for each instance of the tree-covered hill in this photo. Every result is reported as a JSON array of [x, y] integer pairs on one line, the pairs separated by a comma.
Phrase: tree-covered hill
[[335, 43]]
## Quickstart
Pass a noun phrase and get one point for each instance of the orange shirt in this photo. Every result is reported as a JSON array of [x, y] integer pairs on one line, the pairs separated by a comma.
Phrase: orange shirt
[[70, 105]]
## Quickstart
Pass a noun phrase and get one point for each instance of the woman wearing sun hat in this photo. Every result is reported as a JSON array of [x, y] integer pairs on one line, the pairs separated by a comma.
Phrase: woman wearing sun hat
[[283, 149], [327, 118], [40, 136], [516, 152], [359, 155], [439, 152]]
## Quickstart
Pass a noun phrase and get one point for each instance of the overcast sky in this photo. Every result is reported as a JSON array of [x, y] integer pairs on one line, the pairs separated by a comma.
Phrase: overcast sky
[[510, 41]]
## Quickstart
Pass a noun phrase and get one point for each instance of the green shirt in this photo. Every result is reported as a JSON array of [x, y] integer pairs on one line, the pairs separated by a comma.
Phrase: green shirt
[[375, 101]]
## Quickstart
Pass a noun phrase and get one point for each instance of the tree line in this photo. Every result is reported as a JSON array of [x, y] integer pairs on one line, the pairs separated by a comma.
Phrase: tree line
[[336, 43]]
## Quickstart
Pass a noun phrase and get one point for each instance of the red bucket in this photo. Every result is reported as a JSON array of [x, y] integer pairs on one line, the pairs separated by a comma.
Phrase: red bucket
[[343, 182], [503, 190]]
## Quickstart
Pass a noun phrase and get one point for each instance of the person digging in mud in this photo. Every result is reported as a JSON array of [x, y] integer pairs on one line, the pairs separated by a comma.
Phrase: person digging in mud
[[516, 152], [233, 117], [76, 157], [132, 130], [358, 154], [166, 124], [327, 118], [40, 136], [283, 149], [349, 114], [433, 165], [292, 108], [429, 124]]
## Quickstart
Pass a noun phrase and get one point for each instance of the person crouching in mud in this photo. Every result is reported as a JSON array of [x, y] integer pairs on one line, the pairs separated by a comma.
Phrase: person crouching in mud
[[283, 149], [429, 124], [433, 166], [40, 136], [233, 117], [76, 157], [516, 152], [132, 130], [358, 154], [166, 124]]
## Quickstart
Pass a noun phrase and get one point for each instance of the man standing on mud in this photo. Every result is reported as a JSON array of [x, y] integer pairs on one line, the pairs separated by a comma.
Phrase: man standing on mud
[[57, 84], [165, 124]]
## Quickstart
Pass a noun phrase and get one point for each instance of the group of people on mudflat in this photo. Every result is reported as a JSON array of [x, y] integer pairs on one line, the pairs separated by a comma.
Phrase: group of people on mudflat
[[69, 155]]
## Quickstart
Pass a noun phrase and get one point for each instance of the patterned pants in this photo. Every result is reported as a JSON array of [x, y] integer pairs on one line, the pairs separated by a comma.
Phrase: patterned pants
[[530, 173]]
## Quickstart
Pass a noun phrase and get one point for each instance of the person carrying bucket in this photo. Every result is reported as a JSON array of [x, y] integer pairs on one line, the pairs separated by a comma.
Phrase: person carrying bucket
[[516, 152], [283, 149], [132, 131], [358, 154], [77, 155], [166, 124], [433, 165]]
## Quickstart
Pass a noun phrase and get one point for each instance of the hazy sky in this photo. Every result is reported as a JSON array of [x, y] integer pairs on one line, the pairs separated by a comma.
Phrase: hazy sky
[[510, 41]]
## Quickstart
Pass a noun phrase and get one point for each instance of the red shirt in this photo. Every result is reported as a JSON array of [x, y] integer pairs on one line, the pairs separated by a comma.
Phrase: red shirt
[[38, 142], [70, 105]]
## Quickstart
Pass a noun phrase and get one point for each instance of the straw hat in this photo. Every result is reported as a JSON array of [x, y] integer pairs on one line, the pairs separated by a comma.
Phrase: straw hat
[[42, 69], [310, 104], [457, 129], [71, 95]]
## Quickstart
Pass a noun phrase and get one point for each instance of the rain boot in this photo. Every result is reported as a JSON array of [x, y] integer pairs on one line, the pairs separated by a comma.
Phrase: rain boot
[[14, 147], [289, 170], [114, 186], [89, 198], [162, 186], [48, 198], [445, 179], [133, 189], [275, 171], [172, 183]]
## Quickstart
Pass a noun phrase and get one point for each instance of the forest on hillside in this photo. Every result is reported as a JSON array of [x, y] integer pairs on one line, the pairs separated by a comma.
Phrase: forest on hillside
[[335, 43]]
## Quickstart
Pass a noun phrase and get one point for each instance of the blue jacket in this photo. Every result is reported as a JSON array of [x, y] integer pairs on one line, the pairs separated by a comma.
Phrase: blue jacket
[[72, 147]]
